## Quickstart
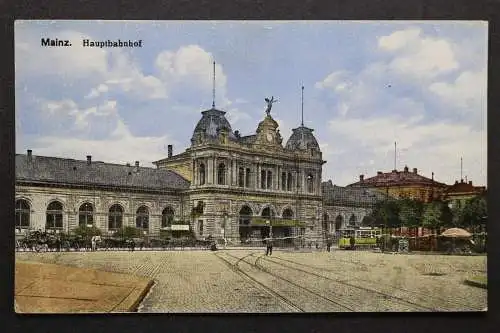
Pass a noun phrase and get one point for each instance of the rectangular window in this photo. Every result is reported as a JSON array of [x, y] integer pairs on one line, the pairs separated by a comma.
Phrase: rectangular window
[[241, 177], [283, 181], [263, 179]]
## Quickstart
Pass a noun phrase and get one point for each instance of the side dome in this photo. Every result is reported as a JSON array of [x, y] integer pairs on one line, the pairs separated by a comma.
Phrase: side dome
[[302, 139], [210, 125]]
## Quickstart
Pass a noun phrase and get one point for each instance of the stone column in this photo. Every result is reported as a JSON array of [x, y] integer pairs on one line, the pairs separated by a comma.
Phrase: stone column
[[257, 177], [209, 172], [215, 171]]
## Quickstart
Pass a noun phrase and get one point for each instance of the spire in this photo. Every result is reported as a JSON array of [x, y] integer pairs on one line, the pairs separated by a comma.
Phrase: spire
[[394, 155], [302, 122], [213, 89], [461, 168]]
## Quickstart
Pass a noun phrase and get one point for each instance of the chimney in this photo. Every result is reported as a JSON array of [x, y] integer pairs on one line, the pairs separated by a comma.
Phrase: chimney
[[470, 182], [415, 170], [361, 178], [128, 164], [456, 182], [169, 148], [379, 173], [406, 168], [89, 159], [136, 166], [29, 155]]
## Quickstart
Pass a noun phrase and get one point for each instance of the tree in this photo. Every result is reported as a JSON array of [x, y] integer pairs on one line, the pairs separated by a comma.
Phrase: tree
[[387, 213], [410, 212], [436, 214], [84, 231], [129, 232], [474, 212]]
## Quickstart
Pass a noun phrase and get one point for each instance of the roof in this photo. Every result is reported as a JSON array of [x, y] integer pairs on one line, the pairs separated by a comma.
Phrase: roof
[[463, 187], [354, 196], [211, 122], [395, 178], [248, 139], [77, 172], [302, 139]]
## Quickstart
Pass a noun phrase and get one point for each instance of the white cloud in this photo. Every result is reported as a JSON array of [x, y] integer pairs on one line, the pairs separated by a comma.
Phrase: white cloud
[[418, 55], [111, 150], [433, 147], [468, 91]]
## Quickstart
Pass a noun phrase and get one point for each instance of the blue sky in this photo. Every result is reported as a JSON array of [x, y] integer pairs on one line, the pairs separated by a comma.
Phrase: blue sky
[[367, 84]]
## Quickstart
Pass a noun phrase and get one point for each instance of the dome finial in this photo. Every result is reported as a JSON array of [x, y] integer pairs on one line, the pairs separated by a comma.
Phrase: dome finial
[[302, 122], [213, 89]]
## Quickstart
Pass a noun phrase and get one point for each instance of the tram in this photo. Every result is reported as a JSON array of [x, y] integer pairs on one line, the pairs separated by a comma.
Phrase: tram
[[364, 237]]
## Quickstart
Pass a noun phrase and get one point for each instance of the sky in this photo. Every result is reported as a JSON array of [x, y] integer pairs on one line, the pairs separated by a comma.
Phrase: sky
[[367, 85]]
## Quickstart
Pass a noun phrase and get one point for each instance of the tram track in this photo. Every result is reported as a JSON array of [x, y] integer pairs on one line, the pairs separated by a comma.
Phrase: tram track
[[238, 270], [312, 300], [453, 305], [346, 290]]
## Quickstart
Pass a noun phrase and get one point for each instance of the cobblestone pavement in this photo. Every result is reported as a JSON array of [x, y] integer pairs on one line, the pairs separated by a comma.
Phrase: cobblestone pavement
[[248, 281]]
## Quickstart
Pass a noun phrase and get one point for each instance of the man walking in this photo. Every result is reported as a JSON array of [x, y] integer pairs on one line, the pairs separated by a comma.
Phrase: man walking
[[269, 247]]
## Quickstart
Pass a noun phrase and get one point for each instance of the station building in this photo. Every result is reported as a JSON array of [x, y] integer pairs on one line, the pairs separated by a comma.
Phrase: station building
[[225, 185]]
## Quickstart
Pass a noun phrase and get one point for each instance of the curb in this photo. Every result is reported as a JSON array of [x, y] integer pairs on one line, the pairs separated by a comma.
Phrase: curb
[[474, 283], [133, 300]]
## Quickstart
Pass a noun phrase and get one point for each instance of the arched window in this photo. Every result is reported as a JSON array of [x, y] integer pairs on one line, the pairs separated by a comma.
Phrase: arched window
[[339, 221], [241, 177], [167, 217], [287, 214], [142, 218], [22, 214], [269, 179], [352, 220], [310, 183], [115, 217], [86, 214], [247, 178], [283, 181], [326, 224], [221, 174], [54, 216], [202, 174]]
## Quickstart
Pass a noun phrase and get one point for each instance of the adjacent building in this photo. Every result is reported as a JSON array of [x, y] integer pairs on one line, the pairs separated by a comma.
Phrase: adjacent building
[[404, 184]]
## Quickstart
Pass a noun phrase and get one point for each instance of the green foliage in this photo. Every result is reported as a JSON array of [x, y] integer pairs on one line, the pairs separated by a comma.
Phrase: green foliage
[[437, 214], [473, 213], [84, 231], [129, 232], [387, 213], [410, 212]]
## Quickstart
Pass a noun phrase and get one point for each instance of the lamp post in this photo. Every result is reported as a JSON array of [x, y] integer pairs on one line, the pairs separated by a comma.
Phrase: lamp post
[[224, 214]]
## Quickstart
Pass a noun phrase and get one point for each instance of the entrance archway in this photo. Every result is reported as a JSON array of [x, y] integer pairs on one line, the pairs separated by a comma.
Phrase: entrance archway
[[268, 214], [339, 221], [245, 218]]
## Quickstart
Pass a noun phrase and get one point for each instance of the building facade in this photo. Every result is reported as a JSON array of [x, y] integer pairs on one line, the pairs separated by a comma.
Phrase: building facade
[[242, 188], [404, 183]]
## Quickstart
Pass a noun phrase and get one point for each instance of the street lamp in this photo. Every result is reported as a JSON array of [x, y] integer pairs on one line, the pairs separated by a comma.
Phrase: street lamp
[[224, 214]]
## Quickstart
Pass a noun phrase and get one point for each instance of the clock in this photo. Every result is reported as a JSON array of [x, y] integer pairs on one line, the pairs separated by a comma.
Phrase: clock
[[269, 137]]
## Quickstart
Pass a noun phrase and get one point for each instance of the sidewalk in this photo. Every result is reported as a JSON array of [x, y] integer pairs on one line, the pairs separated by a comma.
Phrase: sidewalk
[[49, 288]]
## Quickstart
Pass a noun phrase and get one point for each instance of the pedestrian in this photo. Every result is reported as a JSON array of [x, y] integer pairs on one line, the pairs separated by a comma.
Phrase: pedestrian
[[352, 242], [269, 247], [328, 244]]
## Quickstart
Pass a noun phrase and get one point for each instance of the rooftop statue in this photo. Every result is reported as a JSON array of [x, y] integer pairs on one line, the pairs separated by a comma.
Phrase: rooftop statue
[[270, 104]]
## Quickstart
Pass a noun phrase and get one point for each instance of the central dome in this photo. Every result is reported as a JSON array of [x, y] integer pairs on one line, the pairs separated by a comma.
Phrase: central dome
[[302, 139], [210, 124]]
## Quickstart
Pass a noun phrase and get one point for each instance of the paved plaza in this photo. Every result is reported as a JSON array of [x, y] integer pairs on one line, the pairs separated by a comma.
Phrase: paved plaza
[[248, 281]]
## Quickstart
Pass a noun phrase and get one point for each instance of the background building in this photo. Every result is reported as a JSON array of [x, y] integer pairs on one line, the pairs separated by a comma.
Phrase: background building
[[404, 184]]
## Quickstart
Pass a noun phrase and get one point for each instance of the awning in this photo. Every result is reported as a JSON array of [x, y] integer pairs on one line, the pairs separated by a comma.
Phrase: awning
[[276, 222]]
